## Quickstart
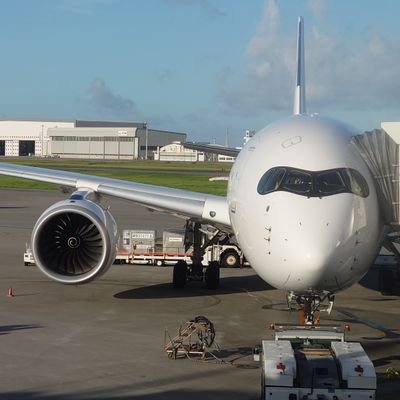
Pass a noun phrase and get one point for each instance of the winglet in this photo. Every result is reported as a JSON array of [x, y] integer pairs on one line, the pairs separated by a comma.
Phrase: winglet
[[300, 90]]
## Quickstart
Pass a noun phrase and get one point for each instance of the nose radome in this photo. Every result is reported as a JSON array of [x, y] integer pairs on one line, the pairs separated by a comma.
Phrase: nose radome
[[310, 266], [297, 270]]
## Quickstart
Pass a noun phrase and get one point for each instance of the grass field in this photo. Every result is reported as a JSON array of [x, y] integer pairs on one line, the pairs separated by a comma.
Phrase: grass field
[[188, 176]]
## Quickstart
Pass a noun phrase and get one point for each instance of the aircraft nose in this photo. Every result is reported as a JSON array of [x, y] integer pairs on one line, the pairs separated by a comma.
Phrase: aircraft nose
[[310, 265], [307, 260], [300, 265]]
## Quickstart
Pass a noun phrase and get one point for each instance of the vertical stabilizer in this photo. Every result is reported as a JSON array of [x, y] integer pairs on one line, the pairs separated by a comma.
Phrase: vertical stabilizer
[[300, 90]]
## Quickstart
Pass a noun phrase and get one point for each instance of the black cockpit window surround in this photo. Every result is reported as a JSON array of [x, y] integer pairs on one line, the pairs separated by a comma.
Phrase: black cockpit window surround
[[313, 183], [357, 183], [330, 182], [297, 181]]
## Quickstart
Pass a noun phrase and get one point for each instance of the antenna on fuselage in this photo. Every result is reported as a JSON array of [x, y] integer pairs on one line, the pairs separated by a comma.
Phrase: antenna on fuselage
[[300, 90]]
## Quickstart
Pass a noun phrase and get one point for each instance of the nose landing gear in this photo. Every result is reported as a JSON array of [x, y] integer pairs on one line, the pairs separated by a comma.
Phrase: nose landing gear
[[310, 304]]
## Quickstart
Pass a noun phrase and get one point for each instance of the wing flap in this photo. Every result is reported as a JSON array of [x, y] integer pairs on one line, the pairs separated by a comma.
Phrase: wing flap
[[186, 207], [208, 208]]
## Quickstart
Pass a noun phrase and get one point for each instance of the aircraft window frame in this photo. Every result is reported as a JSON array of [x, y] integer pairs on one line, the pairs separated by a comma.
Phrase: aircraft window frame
[[297, 181], [325, 186], [313, 183], [357, 183], [271, 180]]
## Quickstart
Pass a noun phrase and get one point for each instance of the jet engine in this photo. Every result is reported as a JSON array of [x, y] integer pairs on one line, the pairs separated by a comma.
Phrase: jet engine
[[74, 241]]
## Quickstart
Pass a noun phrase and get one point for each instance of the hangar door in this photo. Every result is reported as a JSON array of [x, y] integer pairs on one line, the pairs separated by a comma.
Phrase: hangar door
[[2, 147], [26, 147]]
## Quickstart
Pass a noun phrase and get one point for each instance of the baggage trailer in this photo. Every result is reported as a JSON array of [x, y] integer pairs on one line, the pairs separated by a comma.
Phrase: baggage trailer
[[139, 246], [314, 362]]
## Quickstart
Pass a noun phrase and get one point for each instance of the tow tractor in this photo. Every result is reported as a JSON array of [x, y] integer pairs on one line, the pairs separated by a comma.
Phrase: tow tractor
[[315, 362]]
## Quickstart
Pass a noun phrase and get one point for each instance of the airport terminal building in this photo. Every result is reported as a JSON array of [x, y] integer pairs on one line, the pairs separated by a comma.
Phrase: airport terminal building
[[125, 140]]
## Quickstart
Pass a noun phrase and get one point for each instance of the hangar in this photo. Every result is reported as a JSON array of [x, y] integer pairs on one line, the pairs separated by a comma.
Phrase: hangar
[[82, 139], [177, 152]]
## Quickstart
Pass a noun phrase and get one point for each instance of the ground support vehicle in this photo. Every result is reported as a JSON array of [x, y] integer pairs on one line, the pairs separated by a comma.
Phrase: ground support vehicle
[[228, 255], [151, 247], [28, 257], [315, 362]]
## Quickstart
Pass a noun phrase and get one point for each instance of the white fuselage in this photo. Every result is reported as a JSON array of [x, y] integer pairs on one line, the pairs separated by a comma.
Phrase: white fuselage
[[299, 242]]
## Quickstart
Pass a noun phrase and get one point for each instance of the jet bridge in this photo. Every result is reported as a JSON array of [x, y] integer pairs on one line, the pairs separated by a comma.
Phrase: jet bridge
[[380, 149]]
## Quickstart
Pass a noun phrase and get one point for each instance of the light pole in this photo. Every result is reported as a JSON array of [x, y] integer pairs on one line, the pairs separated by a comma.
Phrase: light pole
[[42, 150], [147, 139]]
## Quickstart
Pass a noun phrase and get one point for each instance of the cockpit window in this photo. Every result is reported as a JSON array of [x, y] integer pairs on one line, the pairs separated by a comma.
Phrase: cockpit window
[[297, 182], [313, 183], [357, 183], [330, 182], [271, 180]]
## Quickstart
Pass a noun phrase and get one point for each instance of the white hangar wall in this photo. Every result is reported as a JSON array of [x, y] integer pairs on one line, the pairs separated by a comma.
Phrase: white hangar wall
[[27, 137], [82, 138], [177, 152], [94, 143]]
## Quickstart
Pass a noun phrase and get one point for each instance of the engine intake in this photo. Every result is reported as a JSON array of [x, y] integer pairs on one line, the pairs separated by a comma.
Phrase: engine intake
[[74, 241]]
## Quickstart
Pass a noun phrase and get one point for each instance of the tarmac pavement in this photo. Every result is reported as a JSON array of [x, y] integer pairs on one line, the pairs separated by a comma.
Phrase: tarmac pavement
[[104, 340]]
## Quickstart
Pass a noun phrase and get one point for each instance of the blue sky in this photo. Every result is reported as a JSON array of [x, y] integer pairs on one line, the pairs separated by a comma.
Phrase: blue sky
[[198, 66]]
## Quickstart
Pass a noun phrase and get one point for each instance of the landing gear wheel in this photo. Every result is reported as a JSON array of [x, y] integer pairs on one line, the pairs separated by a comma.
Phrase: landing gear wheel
[[179, 275], [212, 275], [230, 260]]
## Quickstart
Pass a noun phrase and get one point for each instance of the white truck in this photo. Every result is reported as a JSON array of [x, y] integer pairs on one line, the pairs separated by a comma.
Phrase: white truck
[[313, 362], [28, 256], [167, 247]]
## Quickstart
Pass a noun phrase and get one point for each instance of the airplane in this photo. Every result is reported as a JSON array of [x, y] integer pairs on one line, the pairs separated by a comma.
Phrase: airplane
[[301, 203]]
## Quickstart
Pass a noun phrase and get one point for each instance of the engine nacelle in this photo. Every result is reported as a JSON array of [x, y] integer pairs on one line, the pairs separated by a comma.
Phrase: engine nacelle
[[74, 241]]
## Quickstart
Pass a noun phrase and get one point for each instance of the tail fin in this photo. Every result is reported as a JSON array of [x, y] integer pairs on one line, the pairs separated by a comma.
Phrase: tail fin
[[300, 90]]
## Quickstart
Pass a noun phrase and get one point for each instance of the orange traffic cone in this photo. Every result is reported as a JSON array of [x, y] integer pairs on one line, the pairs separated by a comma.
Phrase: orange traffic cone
[[10, 292]]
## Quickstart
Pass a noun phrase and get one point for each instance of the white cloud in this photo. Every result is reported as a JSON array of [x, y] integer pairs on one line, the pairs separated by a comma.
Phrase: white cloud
[[365, 77], [337, 75], [269, 68], [317, 7]]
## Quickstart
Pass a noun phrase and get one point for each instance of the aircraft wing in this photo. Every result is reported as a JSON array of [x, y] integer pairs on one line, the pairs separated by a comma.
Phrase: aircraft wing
[[202, 207], [212, 148]]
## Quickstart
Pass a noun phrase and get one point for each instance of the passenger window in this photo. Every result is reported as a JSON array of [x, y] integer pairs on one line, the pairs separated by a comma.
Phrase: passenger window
[[330, 182], [298, 182], [271, 180]]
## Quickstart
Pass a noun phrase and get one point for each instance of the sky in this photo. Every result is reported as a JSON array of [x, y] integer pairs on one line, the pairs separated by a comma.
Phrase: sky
[[203, 67]]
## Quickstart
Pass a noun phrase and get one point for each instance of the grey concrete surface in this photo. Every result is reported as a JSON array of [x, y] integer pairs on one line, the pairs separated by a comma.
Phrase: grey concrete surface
[[104, 340]]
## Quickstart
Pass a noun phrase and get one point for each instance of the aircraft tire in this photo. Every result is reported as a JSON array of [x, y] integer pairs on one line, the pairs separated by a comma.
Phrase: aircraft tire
[[230, 259], [179, 274]]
